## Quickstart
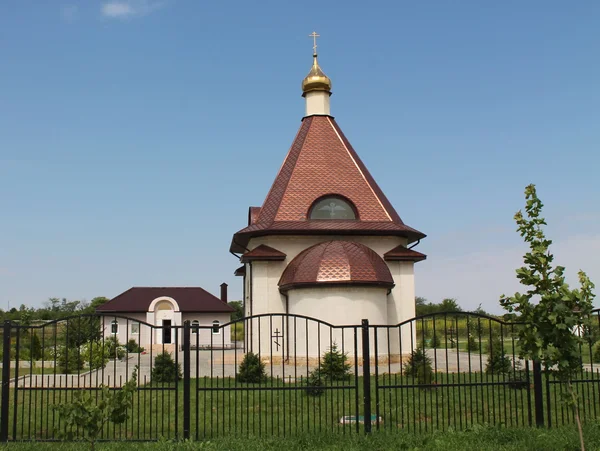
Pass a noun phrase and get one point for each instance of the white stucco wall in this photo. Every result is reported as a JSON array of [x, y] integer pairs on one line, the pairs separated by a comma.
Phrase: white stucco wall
[[343, 305], [378, 308], [317, 102], [125, 327], [205, 336], [153, 335]]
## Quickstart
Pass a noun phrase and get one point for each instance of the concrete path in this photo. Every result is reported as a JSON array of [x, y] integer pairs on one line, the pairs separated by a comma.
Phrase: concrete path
[[224, 364]]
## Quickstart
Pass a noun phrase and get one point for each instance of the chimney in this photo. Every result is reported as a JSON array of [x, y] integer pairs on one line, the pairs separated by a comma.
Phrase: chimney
[[224, 292]]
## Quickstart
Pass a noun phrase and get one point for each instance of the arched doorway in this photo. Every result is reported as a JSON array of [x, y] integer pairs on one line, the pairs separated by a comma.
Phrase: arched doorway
[[164, 313]]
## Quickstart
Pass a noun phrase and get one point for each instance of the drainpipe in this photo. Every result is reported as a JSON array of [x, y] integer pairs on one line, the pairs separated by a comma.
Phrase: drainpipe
[[250, 290], [416, 244], [250, 309], [287, 327]]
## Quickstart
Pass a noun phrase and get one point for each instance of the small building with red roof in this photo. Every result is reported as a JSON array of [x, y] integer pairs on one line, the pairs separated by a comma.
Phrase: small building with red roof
[[154, 316], [326, 242]]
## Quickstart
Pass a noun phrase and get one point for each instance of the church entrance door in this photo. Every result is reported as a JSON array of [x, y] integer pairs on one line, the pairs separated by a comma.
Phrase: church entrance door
[[166, 325]]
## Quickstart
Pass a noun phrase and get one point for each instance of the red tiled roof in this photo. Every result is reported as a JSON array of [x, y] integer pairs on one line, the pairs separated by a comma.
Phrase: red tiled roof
[[189, 299], [262, 252], [336, 262], [253, 213], [404, 254], [322, 162]]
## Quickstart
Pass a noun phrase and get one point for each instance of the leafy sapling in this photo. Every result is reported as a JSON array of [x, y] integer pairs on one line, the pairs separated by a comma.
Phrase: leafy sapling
[[86, 415], [551, 311]]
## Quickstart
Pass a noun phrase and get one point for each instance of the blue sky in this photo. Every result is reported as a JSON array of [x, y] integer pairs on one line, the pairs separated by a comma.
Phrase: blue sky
[[135, 134]]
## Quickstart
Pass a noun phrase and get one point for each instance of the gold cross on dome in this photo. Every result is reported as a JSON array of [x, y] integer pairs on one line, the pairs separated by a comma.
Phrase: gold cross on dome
[[314, 35]]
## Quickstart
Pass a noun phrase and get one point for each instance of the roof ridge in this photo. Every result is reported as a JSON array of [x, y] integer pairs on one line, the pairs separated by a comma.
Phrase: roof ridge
[[362, 170], [377, 191]]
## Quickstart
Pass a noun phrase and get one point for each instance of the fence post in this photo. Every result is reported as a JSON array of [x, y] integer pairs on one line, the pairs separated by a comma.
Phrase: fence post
[[366, 376], [537, 393], [186, 380], [5, 383]]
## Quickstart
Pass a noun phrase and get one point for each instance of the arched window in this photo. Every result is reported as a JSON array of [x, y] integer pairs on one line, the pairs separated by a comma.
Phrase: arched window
[[332, 207], [215, 327], [114, 327], [195, 326]]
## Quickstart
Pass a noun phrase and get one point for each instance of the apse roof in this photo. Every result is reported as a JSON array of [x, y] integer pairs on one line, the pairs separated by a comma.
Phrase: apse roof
[[322, 162], [263, 252], [336, 262], [402, 253], [189, 299]]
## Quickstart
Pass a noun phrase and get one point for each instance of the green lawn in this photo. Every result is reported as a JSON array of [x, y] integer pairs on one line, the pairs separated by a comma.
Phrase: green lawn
[[223, 407], [476, 439]]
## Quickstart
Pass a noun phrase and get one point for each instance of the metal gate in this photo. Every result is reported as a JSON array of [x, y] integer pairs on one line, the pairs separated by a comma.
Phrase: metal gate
[[434, 372]]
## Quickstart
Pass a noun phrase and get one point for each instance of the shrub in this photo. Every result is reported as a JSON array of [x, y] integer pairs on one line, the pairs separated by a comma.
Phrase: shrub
[[315, 383], [69, 360], [596, 352], [165, 369], [95, 355], [86, 414], [334, 366], [133, 347], [35, 347], [498, 362], [419, 367], [251, 369], [113, 348], [472, 344], [435, 341], [23, 354]]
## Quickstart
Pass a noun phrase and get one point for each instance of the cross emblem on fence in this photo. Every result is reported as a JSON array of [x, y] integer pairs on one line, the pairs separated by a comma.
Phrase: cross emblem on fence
[[276, 338]]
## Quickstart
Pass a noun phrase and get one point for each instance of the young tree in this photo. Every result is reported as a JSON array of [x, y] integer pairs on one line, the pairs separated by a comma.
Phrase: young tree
[[551, 311], [87, 413]]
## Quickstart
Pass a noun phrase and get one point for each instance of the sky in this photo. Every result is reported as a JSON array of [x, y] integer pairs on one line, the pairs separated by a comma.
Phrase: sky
[[135, 134]]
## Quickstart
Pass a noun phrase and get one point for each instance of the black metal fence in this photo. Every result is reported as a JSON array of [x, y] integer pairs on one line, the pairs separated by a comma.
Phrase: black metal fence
[[293, 374]]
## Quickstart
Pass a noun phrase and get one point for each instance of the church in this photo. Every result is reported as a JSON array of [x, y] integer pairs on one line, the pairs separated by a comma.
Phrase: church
[[326, 242]]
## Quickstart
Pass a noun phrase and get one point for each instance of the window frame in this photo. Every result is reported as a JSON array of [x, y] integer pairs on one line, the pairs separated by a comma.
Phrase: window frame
[[217, 330], [137, 324], [195, 326], [114, 327], [333, 197]]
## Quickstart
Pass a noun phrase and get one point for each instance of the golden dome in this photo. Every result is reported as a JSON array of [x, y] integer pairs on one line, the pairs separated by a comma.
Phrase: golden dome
[[316, 80]]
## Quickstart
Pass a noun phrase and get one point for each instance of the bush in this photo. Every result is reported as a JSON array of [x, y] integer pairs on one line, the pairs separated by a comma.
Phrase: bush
[[35, 347], [472, 344], [419, 367], [69, 360], [498, 362], [133, 347], [596, 352], [251, 370], [113, 348], [165, 369], [334, 366], [23, 354], [435, 341], [95, 355], [86, 415], [315, 383]]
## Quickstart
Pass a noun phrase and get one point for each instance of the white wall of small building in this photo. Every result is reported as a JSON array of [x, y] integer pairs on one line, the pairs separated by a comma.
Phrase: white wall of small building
[[148, 335]]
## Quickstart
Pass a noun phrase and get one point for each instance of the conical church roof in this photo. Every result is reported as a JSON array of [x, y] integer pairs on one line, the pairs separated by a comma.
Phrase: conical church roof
[[320, 163]]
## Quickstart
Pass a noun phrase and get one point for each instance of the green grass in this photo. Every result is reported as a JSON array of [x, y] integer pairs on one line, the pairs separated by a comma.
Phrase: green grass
[[478, 438], [249, 410]]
